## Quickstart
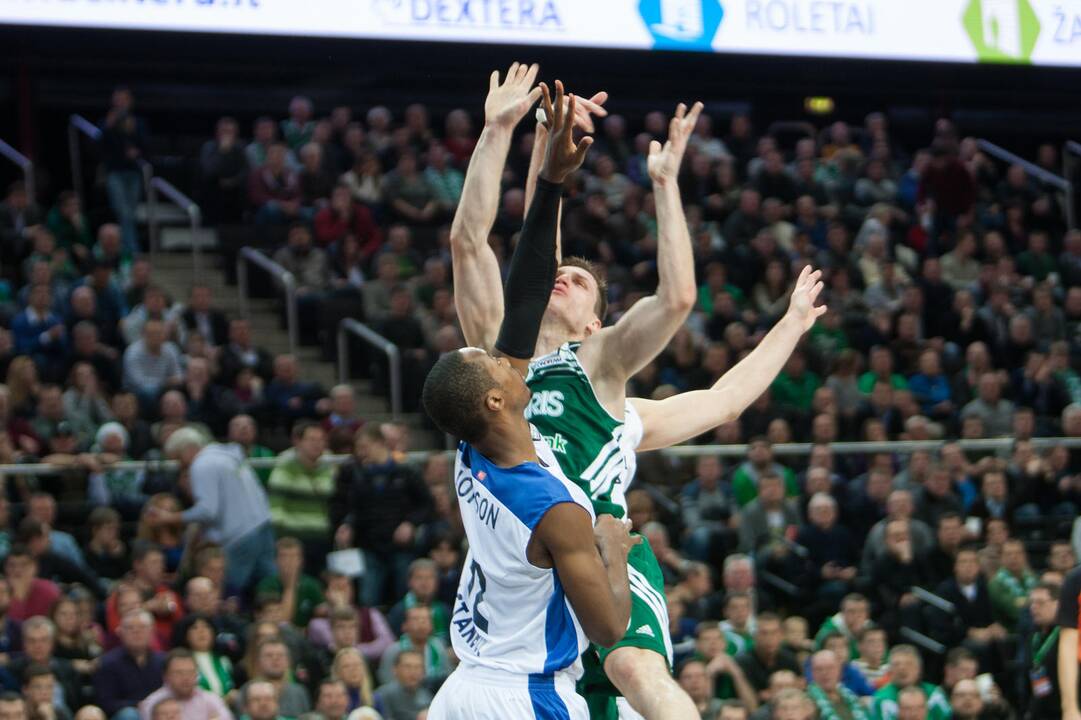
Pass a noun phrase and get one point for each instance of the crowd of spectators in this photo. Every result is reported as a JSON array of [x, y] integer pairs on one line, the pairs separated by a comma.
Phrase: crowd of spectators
[[876, 585]]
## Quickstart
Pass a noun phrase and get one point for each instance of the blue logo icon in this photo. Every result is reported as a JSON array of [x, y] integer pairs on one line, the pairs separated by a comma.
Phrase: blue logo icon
[[682, 24]]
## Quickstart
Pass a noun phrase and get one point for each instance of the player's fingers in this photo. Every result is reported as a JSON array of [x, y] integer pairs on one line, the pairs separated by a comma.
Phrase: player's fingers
[[820, 311], [582, 149], [571, 109], [547, 103], [512, 72], [531, 74], [803, 275], [681, 110], [654, 147], [696, 110], [582, 118], [557, 106], [493, 81], [817, 289], [534, 95], [592, 105]]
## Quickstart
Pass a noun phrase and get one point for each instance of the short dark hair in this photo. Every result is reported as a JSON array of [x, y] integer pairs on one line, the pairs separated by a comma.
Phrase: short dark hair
[[958, 655], [36, 670], [950, 515], [102, 515], [601, 306], [453, 396], [1052, 588], [177, 654], [868, 629], [302, 427], [404, 653], [687, 663], [30, 529], [140, 549]]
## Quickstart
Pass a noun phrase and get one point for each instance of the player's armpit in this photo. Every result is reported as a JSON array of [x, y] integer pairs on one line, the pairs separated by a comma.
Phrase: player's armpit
[[565, 533]]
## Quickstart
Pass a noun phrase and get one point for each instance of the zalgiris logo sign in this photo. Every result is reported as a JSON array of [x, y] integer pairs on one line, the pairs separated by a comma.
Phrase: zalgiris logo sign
[[1002, 31]]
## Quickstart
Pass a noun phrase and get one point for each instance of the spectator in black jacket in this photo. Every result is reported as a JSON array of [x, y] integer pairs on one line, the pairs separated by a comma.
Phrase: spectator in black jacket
[[223, 175], [894, 575], [123, 142], [52, 566], [384, 503], [972, 622], [200, 317], [239, 353], [943, 556]]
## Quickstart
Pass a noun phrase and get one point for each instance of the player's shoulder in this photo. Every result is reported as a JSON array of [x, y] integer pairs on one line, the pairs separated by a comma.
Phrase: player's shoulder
[[527, 490]]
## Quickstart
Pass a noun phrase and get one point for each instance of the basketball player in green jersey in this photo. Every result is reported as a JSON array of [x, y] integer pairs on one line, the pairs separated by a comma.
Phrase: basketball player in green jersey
[[578, 383]]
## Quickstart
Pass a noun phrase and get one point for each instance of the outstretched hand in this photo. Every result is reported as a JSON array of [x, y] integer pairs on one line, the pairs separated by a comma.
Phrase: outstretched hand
[[663, 161], [507, 103], [802, 305], [561, 156]]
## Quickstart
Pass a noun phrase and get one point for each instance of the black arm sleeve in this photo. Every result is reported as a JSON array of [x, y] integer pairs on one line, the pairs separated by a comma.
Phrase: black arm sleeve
[[532, 274]]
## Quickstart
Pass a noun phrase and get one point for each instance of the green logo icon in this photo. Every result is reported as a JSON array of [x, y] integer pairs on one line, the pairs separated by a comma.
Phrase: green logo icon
[[1002, 31]]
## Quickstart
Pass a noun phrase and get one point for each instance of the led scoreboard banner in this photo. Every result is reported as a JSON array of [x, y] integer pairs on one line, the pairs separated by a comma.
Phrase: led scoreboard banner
[[1036, 32]]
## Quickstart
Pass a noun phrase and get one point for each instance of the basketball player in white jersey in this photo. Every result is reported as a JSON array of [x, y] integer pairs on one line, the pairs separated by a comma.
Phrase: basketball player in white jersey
[[539, 579]]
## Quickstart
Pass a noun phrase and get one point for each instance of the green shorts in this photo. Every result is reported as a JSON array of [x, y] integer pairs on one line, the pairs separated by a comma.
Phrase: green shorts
[[648, 629]]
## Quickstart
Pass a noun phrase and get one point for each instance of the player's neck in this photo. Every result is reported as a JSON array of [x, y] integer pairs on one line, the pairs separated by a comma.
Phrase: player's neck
[[553, 334], [509, 443]]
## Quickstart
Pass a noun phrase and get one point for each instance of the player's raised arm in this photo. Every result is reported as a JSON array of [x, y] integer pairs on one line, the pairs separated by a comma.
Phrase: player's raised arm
[[583, 120], [592, 566], [533, 265], [645, 329], [687, 415], [478, 288]]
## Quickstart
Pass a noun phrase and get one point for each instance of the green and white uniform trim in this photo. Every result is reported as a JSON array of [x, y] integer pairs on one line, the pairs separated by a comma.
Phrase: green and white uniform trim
[[596, 451]]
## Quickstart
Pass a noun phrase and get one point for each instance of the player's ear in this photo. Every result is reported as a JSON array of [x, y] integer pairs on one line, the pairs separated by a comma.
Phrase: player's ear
[[594, 325], [494, 400]]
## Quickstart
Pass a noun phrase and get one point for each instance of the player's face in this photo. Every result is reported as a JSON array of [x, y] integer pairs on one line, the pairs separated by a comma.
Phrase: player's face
[[574, 299]]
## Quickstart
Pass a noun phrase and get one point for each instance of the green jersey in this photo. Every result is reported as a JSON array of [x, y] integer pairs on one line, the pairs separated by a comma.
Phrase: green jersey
[[595, 450]]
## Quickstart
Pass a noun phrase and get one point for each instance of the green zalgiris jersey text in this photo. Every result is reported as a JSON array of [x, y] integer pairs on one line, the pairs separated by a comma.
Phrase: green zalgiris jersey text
[[594, 449]]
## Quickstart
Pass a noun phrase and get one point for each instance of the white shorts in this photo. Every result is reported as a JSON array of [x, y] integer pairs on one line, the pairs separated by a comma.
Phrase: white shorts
[[478, 694]]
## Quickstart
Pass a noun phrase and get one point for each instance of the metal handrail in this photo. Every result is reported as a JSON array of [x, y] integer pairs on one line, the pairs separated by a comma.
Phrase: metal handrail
[[349, 326], [25, 164], [418, 456], [182, 201], [284, 278], [1035, 171], [77, 125], [898, 447]]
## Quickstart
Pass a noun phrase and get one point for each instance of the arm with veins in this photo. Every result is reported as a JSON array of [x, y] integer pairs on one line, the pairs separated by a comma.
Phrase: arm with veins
[[478, 285], [687, 415], [646, 328]]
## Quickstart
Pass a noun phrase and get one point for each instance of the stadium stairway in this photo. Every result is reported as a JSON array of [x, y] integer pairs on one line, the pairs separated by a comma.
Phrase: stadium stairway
[[173, 272]]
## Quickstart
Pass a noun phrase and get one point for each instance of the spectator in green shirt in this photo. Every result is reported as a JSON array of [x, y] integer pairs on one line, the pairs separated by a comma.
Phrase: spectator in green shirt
[[300, 593], [795, 385], [70, 227], [1012, 583], [299, 489], [881, 369], [243, 431], [1036, 262], [759, 463]]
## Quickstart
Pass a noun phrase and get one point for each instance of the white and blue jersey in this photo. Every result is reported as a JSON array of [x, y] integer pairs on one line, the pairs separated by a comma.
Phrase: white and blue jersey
[[511, 619], [510, 614]]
